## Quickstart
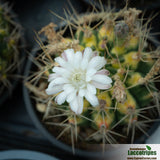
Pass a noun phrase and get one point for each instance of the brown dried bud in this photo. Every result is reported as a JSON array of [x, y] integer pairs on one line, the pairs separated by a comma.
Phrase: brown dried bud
[[121, 30], [131, 16], [50, 32], [52, 49], [119, 90]]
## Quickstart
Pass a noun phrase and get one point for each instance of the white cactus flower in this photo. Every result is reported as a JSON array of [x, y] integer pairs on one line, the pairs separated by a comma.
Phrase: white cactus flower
[[77, 77]]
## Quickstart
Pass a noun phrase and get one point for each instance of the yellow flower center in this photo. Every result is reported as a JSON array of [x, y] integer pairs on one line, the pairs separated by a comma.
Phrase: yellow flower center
[[78, 79]]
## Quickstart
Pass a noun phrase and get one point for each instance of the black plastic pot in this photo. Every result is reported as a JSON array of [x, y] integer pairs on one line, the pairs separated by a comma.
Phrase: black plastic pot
[[24, 155], [37, 121]]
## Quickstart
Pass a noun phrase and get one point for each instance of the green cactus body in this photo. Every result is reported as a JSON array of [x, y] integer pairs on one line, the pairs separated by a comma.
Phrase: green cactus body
[[131, 68], [126, 49]]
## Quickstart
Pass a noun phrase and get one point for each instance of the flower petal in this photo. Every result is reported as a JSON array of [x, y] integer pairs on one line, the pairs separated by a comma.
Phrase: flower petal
[[52, 76], [71, 97], [60, 99], [87, 53], [61, 61], [97, 62], [68, 88], [95, 53], [77, 105], [80, 105], [61, 71], [82, 92], [74, 105], [77, 59], [64, 56], [103, 79], [51, 84], [57, 81], [104, 72], [70, 55], [92, 99], [101, 86], [84, 64], [90, 72], [91, 89], [54, 90]]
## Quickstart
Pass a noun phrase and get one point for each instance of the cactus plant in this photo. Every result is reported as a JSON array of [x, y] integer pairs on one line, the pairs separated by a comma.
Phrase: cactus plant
[[102, 78], [9, 41]]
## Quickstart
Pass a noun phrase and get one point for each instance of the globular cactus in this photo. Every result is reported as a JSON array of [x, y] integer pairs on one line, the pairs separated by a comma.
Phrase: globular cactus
[[9, 41], [126, 92]]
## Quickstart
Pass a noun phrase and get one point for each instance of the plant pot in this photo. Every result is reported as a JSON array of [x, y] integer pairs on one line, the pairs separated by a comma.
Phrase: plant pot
[[36, 119], [42, 128], [24, 154]]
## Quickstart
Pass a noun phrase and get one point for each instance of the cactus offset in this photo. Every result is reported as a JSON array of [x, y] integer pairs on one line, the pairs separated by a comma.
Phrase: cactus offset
[[121, 38]]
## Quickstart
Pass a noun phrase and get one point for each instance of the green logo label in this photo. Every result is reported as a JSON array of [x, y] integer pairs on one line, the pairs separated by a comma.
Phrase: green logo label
[[141, 151]]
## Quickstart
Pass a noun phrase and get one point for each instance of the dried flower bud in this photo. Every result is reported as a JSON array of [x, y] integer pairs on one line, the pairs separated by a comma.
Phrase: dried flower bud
[[121, 30], [119, 90]]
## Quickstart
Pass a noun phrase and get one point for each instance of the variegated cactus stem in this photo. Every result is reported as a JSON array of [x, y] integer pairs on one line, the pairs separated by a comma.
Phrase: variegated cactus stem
[[101, 77]]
